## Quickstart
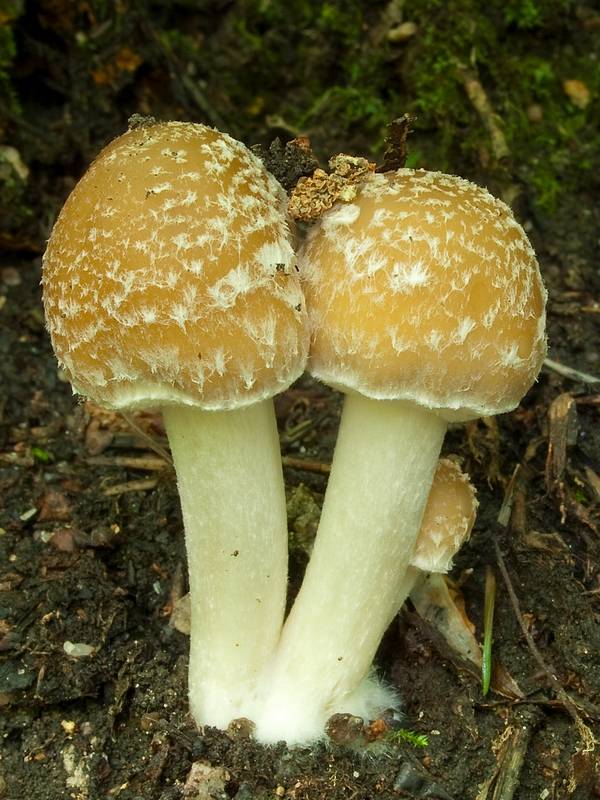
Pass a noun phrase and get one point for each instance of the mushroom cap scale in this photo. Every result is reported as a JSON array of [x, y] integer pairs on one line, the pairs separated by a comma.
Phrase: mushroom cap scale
[[170, 276], [426, 289]]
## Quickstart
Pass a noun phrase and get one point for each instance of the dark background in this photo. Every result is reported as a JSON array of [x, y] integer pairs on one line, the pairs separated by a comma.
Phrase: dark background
[[505, 93]]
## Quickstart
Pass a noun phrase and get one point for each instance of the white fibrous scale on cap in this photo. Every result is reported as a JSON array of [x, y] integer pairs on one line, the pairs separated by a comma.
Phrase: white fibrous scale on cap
[[425, 288], [448, 519], [170, 275]]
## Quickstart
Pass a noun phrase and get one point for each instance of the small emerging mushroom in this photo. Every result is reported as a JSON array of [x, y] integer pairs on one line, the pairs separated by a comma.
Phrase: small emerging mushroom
[[447, 523], [169, 282], [426, 306]]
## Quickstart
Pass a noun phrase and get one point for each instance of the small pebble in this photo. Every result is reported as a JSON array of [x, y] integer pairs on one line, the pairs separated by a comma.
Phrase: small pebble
[[68, 726], [63, 539], [78, 649]]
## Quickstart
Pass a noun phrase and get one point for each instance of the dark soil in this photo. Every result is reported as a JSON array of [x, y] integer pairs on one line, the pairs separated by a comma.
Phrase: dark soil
[[91, 548]]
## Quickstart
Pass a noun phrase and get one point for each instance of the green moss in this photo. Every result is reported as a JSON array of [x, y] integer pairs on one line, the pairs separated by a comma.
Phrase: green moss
[[10, 10], [404, 735], [530, 14], [310, 65], [328, 70], [13, 191], [516, 71], [303, 513], [267, 68]]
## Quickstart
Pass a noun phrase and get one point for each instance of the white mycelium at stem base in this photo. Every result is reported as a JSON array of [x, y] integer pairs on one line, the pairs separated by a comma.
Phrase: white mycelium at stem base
[[385, 457], [170, 283], [425, 290], [229, 478]]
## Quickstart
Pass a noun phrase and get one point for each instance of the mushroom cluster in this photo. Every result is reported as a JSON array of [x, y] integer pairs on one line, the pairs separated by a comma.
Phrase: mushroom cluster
[[170, 282]]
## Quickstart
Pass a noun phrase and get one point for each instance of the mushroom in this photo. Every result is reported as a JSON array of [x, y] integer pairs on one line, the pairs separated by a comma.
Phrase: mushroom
[[426, 306], [447, 521], [170, 282]]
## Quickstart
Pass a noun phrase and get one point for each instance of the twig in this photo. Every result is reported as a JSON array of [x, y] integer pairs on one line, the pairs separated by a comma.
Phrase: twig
[[480, 102], [144, 464], [511, 750], [131, 486], [308, 466], [569, 372], [506, 508], [300, 429], [564, 697], [588, 400], [148, 439]]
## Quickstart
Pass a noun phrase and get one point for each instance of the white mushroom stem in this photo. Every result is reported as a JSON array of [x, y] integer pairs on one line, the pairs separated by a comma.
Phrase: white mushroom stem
[[383, 465], [230, 481]]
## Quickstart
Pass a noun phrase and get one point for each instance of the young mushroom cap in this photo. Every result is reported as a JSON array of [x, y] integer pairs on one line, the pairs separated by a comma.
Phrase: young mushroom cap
[[425, 288], [170, 282], [447, 523], [170, 277], [448, 518]]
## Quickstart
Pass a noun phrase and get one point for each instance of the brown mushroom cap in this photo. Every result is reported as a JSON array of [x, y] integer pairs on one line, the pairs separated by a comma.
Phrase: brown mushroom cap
[[448, 518], [170, 276], [425, 288]]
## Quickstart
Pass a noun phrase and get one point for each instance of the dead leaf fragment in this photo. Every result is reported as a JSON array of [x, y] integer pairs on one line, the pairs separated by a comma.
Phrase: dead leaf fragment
[[97, 437], [126, 60], [444, 608], [402, 32], [396, 143], [11, 157], [181, 616], [577, 92], [562, 433], [376, 730], [54, 508], [594, 482]]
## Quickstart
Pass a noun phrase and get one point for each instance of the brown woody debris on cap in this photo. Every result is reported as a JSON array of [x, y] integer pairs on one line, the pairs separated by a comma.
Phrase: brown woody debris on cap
[[316, 194], [289, 162], [396, 151]]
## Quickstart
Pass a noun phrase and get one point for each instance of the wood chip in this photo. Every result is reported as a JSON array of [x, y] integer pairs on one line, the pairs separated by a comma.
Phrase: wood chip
[[562, 433]]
